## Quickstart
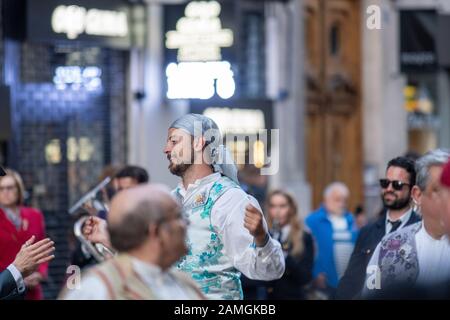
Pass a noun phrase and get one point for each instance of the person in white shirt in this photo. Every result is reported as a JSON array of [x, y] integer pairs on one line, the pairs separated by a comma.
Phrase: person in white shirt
[[227, 231], [147, 228], [417, 256]]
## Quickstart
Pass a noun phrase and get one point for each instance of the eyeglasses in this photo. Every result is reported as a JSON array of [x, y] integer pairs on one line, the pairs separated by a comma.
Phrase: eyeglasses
[[396, 184], [7, 188]]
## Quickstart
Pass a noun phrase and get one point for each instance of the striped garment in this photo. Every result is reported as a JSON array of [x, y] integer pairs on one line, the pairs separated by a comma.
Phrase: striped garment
[[343, 245]]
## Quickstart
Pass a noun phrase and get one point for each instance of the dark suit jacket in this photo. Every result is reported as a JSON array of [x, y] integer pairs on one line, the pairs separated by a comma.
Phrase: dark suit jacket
[[297, 274], [8, 287], [352, 282], [290, 286]]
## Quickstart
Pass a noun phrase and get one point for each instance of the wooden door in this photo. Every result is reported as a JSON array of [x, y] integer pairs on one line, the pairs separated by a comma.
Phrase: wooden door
[[333, 122]]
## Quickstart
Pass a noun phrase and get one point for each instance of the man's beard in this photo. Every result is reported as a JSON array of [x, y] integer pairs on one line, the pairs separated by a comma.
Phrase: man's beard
[[179, 169], [397, 204]]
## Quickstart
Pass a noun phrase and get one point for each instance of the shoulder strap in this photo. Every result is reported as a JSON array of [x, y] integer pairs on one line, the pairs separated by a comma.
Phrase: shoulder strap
[[111, 276], [122, 281], [220, 187]]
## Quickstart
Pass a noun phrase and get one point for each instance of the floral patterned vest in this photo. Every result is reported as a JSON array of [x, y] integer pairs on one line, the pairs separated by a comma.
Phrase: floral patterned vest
[[397, 259], [206, 260]]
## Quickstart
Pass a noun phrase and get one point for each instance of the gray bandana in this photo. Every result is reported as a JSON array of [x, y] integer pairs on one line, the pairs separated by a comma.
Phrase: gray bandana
[[199, 125]]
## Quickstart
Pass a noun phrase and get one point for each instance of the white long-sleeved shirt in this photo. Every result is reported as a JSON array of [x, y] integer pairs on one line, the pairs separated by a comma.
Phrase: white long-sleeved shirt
[[17, 277], [227, 217]]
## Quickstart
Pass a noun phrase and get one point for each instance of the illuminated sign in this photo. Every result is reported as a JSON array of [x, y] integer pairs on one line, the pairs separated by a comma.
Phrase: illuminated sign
[[75, 20], [76, 77], [199, 35], [200, 80], [81, 149], [236, 120], [199, 72]]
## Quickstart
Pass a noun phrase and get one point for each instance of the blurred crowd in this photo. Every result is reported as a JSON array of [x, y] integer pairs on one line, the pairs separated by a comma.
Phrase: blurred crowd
[[213, 238]]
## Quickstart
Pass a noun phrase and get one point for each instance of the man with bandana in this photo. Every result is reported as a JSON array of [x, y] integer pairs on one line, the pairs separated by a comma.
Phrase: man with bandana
[[227, 233]]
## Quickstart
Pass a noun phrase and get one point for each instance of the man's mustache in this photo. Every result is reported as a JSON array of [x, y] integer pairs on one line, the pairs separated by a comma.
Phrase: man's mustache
[[392, 193]]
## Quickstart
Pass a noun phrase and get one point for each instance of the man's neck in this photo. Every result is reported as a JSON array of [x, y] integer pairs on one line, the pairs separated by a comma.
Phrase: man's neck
[[195, 172], [394, 215], [433, 228]]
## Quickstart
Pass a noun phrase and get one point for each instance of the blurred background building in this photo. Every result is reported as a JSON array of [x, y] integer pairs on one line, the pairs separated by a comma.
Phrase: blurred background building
[[90, 83]]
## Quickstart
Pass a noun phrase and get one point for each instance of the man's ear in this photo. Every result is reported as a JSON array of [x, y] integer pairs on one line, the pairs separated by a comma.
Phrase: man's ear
[[416, 195], [199, 143], [153, 231]]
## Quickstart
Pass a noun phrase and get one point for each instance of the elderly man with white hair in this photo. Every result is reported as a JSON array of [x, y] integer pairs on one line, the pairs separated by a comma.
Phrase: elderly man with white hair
[[333, 229], [415, 261]]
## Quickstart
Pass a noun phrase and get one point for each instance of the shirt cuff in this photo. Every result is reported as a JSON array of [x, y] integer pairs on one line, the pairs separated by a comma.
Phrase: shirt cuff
[[17, 277], [267, 248]]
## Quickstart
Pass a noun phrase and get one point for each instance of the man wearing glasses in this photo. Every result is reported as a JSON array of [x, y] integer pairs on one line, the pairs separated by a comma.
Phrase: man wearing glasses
[[147, 228], [414, 262], [398, 212]]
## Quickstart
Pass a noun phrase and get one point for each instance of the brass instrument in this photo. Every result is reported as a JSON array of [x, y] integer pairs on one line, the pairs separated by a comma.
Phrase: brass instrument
[[92, 200]]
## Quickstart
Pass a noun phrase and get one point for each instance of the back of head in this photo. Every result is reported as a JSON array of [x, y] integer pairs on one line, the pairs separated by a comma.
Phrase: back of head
[[134, 172], [133, 211]]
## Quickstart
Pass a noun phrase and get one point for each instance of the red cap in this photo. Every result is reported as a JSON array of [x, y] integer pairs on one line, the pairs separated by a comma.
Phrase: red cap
[[445, 177]]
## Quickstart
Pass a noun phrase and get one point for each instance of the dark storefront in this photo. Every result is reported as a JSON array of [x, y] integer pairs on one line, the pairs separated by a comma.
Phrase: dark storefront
[[424, 60], [64, 99]]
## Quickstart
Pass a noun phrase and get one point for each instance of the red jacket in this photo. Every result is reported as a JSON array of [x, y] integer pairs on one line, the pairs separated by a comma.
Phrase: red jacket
[[11, 240]]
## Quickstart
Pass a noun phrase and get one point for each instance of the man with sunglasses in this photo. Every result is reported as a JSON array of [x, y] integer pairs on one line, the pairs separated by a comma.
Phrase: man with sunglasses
[[414, 262], [397, 213]]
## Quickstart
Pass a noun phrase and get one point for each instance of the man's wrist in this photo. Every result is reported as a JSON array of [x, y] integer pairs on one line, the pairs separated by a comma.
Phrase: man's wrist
[[18, 268], [18, 277], [262, 240]]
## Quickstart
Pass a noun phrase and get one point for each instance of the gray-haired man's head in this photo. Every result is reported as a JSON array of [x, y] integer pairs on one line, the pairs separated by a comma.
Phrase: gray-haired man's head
[[148, 219], [438, 157], [427, 191], [335, 198]]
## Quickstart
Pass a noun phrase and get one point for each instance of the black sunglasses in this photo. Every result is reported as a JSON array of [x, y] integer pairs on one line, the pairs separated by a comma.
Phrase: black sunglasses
[[396, 184]]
